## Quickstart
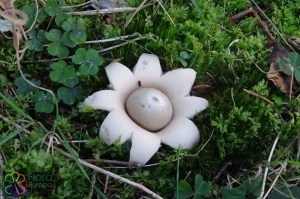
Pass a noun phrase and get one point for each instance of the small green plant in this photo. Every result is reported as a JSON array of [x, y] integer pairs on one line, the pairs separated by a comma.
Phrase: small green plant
[[61, 72], [249, 187], [89, 61], [291, 65], [23, 87], [60, 43], [43, 102], [60, 40], [201, 189]]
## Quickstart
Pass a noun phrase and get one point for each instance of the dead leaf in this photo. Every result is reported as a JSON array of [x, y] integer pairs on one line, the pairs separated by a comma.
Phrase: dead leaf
[[279, 79]]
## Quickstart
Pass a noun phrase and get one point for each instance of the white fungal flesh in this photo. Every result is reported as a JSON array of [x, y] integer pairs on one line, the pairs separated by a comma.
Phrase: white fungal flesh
[[146, 101], [149, 108], [144, 146]]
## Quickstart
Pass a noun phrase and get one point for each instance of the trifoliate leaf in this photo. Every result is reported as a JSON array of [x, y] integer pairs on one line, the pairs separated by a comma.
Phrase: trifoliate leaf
[[37, 39], [61, 72], [295, 62], [78, 36], [53, 35], [184, 190], [41, 35], [44, 102], [254, 186], [89, 61], [60, 18], [201, 187], [30, 10], [35, 44], [51, 7], [88, 68], [66, 95], [70, 24], [69, 95], [65, 39], [93, 56], [24, 87], [44, 107], [235, 193], [79, 56], [42, 15], [57, 49], [80, 24], [71, 83], [285, 67]]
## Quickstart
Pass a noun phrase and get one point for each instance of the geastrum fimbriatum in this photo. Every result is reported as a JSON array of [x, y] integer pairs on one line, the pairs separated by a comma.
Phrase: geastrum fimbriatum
[[148, 107]]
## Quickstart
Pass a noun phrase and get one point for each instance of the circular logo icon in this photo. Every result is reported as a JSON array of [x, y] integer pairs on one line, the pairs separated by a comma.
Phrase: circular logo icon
[[15, 184]]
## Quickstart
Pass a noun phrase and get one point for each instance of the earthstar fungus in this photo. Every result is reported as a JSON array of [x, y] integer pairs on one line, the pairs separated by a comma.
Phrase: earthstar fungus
[[148, 107]]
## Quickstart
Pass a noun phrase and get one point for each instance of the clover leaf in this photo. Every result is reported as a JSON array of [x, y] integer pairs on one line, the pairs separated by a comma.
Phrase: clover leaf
[[61, 71], [76, 28], [65, 39], [30, 10], [51, 7], [250, 186], [44, 102], [59, 43], [36, 40], [89, 61], [69, 24], [292, 62], [53, 35], [60, 18], [295, 62], [71, 83], [201, 186], [24, 87], [69, 95], [186, 191]]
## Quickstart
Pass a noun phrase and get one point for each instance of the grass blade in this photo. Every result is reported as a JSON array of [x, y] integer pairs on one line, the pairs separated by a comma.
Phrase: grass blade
[[13, 134], [75, 157], [15, 107]]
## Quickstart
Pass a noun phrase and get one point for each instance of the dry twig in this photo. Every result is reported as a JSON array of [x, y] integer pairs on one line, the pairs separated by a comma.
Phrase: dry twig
[[108, 173], [103, 11], [260, 22], [259, 96]]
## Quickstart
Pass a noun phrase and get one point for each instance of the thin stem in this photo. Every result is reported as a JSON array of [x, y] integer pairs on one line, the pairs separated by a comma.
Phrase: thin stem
[[274, 182], [260, 10], [113, 39], [103, 11], [267, 169], [115, 176]]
